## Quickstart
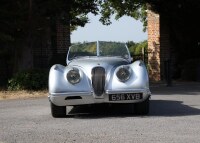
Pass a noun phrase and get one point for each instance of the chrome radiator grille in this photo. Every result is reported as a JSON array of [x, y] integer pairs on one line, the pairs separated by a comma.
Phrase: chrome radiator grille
[[98, 80]]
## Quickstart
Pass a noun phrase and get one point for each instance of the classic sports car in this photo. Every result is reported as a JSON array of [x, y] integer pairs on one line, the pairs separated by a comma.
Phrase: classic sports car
[[99, 72]]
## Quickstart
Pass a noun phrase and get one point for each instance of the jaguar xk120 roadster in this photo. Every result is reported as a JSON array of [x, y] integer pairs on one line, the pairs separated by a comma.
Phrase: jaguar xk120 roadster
[[99, 72]]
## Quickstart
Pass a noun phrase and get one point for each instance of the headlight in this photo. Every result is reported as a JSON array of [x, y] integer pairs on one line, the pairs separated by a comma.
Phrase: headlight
[[73, 76], [123, 74]]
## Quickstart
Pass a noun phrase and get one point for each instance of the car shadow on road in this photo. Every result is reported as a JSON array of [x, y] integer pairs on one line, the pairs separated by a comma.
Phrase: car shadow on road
[[177, 88], [101, 111], [172, 108], [165, 108]]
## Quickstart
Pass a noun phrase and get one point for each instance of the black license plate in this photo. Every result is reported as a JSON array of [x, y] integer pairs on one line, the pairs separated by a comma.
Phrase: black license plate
[[125, 96]]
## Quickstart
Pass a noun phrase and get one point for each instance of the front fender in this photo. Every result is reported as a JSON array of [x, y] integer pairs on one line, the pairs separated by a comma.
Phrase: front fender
[[139, 78], [58, 82]]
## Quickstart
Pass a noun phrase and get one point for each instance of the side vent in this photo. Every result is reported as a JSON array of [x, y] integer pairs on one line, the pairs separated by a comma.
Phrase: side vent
[[98, 80], [73, 97]]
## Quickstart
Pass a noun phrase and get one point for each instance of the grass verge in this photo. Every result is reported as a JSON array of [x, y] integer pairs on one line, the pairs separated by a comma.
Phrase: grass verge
[[23, 94]]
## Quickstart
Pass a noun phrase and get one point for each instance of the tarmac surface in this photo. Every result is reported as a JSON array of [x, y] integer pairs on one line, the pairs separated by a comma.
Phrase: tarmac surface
[[174, 117]]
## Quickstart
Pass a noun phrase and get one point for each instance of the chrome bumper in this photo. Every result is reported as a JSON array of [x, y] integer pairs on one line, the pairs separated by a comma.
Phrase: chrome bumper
[[81, 98]]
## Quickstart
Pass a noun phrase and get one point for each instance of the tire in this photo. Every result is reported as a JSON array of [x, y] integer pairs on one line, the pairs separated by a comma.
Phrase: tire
[[58, 111], [142, 108]]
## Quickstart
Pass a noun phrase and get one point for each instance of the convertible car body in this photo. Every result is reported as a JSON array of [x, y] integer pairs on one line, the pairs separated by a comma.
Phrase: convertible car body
[[98, 72]]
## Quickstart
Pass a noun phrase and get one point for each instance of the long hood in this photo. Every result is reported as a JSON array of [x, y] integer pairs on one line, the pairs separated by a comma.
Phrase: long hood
[[107, 62]]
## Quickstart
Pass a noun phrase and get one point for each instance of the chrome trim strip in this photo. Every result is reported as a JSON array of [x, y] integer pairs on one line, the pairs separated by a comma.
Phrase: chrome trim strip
[[73, 93]]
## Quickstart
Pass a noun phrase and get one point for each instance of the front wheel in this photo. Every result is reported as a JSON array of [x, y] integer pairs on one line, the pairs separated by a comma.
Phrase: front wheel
[[142, 108], [58, 111]]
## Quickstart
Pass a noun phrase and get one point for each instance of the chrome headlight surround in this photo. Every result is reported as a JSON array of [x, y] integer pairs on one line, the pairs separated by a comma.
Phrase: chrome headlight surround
[[73, 76], [123, 73]]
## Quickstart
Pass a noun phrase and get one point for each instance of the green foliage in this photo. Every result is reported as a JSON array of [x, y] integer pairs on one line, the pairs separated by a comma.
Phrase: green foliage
[[138, 51], [79, 10], [35, 79], [141, 46], [136, 9], [136, 48]]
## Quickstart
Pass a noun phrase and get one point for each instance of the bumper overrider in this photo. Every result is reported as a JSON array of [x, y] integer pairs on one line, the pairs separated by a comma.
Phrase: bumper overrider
[[81, 98]]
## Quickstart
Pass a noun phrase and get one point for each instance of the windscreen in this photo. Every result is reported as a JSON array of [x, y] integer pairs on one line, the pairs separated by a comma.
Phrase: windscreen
[[81, 50], [113, 49], [100, 48]]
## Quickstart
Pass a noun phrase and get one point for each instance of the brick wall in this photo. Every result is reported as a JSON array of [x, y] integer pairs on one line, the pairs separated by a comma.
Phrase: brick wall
[[165, 46], [153, 26], [46, 53], [159, 46], [63, 37]]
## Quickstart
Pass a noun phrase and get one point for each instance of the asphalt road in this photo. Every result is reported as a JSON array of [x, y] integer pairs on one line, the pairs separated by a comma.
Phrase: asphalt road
[[174, 117]]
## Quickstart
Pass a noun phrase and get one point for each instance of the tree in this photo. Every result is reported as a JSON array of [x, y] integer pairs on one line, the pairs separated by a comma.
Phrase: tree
[[29, 25], [23, 23], [137, 48], [136, 9]]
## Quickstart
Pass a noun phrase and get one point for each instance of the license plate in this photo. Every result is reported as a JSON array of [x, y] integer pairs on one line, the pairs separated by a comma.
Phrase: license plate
[[125, 96]]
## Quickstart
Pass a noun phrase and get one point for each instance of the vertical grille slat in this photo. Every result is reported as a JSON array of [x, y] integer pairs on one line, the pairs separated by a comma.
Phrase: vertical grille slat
[[98, 80]]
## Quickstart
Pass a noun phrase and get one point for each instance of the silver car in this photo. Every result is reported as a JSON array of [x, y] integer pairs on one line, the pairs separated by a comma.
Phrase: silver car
[[99, 72]]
